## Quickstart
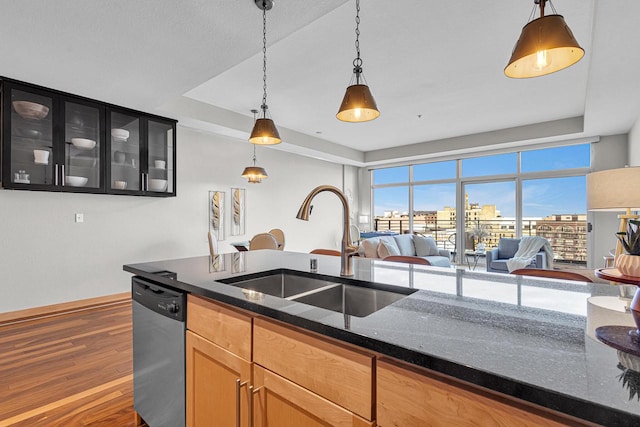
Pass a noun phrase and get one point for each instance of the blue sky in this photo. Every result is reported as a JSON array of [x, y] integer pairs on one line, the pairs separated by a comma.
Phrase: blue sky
[[541, 197]]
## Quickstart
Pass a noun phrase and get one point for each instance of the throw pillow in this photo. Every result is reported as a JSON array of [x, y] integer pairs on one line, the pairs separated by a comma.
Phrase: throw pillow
[[425, 246], [370, 247], [386, 249]]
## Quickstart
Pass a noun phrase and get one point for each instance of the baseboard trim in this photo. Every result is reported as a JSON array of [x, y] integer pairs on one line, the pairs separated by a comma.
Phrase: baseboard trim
[[62, 308]]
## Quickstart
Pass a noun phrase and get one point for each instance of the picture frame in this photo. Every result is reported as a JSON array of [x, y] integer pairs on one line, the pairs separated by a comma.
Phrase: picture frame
[[237, 211], [217, 213]]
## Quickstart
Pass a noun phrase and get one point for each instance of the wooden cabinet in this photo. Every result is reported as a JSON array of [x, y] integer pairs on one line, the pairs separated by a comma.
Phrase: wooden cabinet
[[280, 402], [218, 384], [409, 397], [55, 141], [338, 374], [218, 359]]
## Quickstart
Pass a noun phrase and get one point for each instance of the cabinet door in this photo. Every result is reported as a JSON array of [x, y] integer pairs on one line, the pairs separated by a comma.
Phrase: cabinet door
[[124, 171], [407, 398], [28, 137], [217, 385], [81, 156], [160, 157], [279, 402]]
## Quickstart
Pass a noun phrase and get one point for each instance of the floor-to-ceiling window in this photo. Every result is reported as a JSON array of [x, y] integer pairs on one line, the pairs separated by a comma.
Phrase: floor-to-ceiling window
[[471, 202]]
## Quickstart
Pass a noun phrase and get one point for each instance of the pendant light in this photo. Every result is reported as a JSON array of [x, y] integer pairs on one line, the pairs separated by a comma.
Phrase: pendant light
[[546, 45], [254, 174], [358, 104], [264, 130]]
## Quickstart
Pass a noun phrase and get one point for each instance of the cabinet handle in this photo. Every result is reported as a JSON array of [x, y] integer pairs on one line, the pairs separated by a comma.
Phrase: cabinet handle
[[55, 173], [146, 182], [252, 392], [62, 168], [239, 385]]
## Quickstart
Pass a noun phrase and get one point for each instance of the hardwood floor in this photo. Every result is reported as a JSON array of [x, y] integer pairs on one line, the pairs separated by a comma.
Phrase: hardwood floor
[[73, 369]]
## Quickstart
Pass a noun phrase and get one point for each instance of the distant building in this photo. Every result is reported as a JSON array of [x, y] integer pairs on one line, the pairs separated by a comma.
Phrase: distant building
[[567, 234]]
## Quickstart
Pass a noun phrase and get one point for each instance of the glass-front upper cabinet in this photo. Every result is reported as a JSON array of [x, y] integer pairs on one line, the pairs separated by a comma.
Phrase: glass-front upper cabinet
[[55, 141], [83, 145], [125, 171], [142, 151], [160, 156], [29, 130]]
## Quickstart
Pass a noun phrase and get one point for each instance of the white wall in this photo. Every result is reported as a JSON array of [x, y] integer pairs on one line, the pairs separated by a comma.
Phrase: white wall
[[47, 258], [634, 144]]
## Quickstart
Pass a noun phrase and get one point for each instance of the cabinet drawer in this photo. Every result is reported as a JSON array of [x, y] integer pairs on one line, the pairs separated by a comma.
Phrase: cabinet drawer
[[408, 398], [226, 327], [277, 399], [338, 374]]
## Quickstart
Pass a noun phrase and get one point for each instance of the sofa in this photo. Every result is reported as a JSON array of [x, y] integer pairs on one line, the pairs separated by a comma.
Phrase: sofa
[[407, 245], [507, 247]]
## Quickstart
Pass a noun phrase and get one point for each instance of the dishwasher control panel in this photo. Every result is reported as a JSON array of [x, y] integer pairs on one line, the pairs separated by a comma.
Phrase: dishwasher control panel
[[159, 299]]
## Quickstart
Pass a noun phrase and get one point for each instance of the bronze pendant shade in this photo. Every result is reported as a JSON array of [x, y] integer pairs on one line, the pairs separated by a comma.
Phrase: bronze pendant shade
[[546, 45], [264, 132], [254, 174], [358, 105]]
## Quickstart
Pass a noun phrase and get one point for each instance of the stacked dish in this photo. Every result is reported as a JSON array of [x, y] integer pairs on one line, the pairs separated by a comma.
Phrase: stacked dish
[[83, 143], [75, 181], [158, 184], [30, 110], [120, 134]]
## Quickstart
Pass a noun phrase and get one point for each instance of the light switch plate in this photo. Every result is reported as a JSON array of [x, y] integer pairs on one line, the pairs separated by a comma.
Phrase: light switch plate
[[79, 217]]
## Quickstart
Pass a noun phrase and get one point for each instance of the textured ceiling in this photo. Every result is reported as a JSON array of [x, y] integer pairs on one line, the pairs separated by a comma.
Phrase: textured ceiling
[[435, 67]]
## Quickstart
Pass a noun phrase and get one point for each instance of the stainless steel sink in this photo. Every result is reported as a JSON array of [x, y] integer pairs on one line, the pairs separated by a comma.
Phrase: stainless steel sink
[[353, 300], [279, 284], [336, 294]]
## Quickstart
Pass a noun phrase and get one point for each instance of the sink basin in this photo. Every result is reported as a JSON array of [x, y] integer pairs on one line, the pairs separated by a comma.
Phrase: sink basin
[[325, 292], [356, 301], [279, 283]]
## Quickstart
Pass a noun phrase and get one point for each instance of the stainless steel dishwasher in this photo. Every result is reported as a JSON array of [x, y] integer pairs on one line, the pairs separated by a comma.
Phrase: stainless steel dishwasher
[[159, 326]]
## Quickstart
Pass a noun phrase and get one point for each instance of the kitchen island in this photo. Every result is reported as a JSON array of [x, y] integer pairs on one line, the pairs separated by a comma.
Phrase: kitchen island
[[517, 336]]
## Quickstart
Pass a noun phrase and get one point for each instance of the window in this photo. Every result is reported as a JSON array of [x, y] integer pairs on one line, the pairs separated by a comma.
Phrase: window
[[550, 183], [490, 165]]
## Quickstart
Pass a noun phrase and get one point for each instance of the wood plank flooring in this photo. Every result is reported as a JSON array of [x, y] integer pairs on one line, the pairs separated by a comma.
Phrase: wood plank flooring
[[73, 369]]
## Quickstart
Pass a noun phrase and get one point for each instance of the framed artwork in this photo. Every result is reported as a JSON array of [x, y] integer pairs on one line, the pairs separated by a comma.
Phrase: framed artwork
[[216, 213], [237, 211]]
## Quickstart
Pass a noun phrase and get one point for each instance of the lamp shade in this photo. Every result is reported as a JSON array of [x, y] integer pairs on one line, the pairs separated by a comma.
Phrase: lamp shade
[[265, 133], [614, 190], [358, 105], [254, 174], [546, 45]]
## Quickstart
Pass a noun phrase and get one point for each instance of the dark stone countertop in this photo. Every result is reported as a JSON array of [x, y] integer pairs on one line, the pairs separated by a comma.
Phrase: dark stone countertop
[[524, 337]]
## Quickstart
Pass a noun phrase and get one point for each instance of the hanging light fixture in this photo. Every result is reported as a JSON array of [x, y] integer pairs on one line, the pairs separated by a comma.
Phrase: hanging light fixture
[[264, 130], [358, 104], [546, 45], [254, 174]]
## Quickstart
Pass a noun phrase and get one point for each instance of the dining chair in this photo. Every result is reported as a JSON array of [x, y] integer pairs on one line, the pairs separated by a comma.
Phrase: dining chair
[[331, 252], [407, 259], [263, 241], [279, 235], [554, 274], [213, 244]]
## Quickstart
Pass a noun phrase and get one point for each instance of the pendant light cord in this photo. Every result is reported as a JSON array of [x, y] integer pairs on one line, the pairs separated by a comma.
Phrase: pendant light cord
[[264, 60], [357, 63]]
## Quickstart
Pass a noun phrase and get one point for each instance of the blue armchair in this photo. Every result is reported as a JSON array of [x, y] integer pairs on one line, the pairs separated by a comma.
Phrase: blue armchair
[[507, 248]]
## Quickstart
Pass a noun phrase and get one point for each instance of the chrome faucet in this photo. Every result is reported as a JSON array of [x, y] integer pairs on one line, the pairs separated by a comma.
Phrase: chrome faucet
[[347, 250]]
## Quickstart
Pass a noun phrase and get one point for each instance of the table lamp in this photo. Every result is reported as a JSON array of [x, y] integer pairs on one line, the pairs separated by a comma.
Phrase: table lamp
[[615, 190]]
